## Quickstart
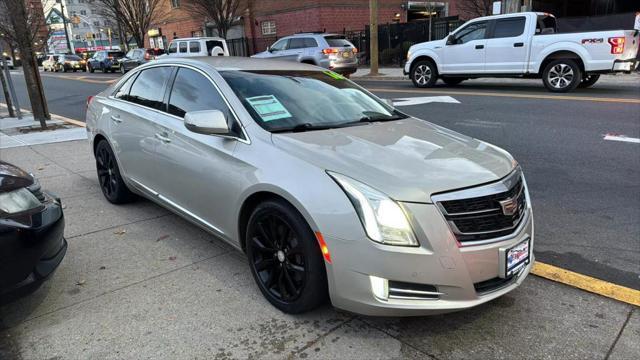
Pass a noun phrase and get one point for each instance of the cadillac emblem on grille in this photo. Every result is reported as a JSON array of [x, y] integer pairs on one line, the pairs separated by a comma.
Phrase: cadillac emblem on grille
[[509, 206]]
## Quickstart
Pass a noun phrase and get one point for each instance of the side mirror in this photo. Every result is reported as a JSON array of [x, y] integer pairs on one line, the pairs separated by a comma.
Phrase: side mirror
[[208, 122], [451, 40]]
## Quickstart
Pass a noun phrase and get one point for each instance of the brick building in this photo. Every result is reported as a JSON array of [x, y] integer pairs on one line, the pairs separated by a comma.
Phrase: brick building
[[262, 21]]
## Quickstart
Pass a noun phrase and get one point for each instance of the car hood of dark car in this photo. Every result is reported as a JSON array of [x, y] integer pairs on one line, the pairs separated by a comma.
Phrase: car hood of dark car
[[12, 177], [408, 159]]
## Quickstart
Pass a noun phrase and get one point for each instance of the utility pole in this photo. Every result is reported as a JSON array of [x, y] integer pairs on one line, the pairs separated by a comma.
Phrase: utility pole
[[64, 22], [373, 37]]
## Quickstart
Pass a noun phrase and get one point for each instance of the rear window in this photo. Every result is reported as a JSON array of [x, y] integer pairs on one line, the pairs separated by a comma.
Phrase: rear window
[[337, 41], [72, 57], [116, 54], [509, 27], [546, 25]]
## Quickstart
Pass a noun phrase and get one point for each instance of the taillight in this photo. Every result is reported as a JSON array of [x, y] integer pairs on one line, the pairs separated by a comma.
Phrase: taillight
[[147, 56], [617, 45], [328, 51], [355, 50]]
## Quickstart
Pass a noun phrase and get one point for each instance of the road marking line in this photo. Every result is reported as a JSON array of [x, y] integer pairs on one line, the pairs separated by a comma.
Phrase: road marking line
[[587, 283], [424, 100], [522, 96], [625, 138]]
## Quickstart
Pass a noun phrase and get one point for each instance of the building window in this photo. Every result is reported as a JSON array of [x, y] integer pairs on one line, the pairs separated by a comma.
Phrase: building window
[[83, 12], [175, 3], [96, 23], [75, 26], [268, 27]]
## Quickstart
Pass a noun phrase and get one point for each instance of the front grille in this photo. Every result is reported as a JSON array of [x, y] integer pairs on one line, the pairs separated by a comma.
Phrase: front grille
[[411, 291], [496, 212]]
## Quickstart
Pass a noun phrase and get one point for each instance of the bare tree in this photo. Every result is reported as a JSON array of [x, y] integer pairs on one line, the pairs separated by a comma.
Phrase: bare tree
[[20, 24], [475, 8], [134, 17], [223, 13]]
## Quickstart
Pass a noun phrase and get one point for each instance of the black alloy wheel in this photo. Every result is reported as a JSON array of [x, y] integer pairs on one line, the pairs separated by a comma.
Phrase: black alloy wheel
[[111, 183], [285, 258]]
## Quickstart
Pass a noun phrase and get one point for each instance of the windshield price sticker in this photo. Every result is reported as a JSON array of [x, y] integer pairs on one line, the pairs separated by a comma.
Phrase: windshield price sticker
[[268, 107]]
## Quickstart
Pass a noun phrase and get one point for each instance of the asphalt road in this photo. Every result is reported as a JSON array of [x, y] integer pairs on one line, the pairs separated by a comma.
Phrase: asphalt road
[[585, 190]]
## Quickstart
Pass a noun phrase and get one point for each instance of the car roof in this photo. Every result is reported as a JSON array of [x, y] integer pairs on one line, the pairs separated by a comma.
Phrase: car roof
[[308, 34], [199, 38], [222, 63]]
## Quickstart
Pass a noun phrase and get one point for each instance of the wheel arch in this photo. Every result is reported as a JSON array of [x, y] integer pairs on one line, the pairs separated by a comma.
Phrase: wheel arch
[[259, 195], [421, 58], [308, 61], [562, 54]]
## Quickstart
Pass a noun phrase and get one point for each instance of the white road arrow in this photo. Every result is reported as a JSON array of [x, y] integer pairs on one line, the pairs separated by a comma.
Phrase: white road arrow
[[424, 100], [617, 137]]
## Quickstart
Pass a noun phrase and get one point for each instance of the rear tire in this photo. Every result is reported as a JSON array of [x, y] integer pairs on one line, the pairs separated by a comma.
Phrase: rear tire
[[90, 68], [562, 75], [285, 258], [452, 81], [113, 187], [424, 74], [588, 80]]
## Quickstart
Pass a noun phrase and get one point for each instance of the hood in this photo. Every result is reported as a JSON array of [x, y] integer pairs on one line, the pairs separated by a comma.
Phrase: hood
[[12, 177], [431, 45], [409, 159]]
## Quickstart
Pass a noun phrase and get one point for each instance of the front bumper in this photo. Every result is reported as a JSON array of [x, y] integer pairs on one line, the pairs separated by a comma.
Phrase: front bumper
[[30, 250], [454, 271]]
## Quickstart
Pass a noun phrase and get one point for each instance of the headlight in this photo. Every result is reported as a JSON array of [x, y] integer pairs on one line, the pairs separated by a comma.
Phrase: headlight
[[18, 201], [382, 218], [408, 54]]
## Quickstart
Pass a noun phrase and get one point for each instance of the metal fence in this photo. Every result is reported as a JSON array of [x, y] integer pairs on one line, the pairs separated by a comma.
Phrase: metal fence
[[393, 40]]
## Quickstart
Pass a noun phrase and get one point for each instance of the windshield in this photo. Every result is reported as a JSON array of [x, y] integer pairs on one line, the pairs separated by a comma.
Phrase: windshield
[[304, 100]]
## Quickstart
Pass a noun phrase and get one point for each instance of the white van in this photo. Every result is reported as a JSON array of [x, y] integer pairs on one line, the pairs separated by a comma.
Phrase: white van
[[198, 46]]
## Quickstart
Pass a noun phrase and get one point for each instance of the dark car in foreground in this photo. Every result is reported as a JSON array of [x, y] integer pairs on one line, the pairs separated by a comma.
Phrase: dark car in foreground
[[32, 244], [136, 57], [105, 60]]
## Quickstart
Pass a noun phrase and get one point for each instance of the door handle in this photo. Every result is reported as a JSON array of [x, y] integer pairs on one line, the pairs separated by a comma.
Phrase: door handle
[[164, 137], [479, 46], [116, 118], [518, 44]]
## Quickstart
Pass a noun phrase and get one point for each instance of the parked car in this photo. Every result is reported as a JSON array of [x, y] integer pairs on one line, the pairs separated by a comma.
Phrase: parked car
[[137, 57], [524, 45], [105, 60], [49, 64], [330, 191], [331, 51], [9, 62], [198, 46], [68, 62], [32, 244]]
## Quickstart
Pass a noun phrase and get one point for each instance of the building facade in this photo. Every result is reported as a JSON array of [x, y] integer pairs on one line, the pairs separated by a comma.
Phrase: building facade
[[87, 29]]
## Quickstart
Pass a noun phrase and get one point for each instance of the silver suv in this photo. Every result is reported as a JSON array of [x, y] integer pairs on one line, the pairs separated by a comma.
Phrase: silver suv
[[331, 51]]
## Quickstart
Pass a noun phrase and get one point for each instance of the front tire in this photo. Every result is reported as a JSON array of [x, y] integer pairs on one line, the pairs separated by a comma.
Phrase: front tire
[[285, 258], [588, 80], [109, 178], [424, 74], [562, 75]]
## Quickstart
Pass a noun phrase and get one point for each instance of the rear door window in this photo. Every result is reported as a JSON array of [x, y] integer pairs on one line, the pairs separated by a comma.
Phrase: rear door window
[[148, 88], [296, 43], [192, 91], [182, 46], [194, 46], [310, 43], [509, 27]]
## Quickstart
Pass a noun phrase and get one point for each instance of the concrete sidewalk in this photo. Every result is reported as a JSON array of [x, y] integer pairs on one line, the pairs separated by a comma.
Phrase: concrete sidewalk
[[139, 282]]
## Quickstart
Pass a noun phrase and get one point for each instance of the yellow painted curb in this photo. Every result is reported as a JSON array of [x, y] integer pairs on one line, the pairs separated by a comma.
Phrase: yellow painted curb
[[525, 96], [587, 283]]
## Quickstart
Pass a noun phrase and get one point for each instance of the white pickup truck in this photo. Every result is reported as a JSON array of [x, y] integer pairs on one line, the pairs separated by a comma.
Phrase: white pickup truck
[[523, 45]]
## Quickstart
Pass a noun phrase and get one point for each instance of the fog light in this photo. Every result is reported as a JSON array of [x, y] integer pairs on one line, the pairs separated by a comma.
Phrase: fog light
[[379, 287]]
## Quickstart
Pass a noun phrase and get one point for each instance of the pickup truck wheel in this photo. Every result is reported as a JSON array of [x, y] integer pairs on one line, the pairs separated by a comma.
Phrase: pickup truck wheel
[[424, 74], [561, 75], [452, 81], [588, 80]]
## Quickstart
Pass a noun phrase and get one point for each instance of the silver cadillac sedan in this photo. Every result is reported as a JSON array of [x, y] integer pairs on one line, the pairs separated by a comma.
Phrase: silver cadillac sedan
[[329, 191]]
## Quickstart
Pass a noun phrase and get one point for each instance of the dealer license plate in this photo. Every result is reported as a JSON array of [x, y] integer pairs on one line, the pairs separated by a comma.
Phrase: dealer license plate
[[346, 54], [517, 257]]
